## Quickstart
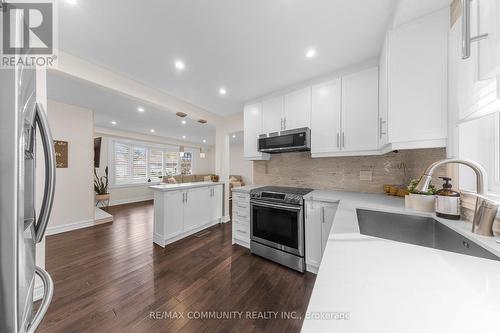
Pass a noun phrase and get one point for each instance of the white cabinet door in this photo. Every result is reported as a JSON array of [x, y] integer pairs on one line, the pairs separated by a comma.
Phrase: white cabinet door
[[298, 109], [360, 111], [488, 22], [196, 208], [272, 115], [325, 117], [174, 211], [253, 127], [418, 87], [216, 202], [383, 95], [313, 233], [327, 214]]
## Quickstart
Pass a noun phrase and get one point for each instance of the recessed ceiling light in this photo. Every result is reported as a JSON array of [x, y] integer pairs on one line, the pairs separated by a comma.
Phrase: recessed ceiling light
[[72, 2], [140, 109], [183, 136], [310, 53], [234, 136], [183, 122], [222, 91], [179, 64], [204, 141], [113, 122], [152, 130]]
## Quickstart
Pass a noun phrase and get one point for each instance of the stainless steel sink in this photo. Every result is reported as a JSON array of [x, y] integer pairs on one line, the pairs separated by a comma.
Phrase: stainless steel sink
[[418, 230]]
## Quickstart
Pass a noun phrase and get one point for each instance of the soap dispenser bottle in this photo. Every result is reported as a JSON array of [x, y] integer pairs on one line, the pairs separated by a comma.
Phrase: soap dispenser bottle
[[447, 201]]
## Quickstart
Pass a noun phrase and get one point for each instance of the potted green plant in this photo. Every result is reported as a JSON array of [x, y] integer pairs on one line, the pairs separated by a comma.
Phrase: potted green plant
[[101, 186], [421, 201]]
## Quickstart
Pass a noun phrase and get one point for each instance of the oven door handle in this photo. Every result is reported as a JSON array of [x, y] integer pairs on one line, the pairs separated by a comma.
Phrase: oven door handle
[[273, 205]]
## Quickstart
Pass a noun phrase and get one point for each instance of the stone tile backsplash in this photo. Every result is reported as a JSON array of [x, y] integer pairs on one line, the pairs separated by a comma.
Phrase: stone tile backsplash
[[343, 173]]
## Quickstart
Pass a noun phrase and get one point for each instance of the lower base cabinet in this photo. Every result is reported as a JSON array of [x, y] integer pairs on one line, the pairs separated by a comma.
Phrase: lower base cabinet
[[180, 213], [319, 221], [241, 219]]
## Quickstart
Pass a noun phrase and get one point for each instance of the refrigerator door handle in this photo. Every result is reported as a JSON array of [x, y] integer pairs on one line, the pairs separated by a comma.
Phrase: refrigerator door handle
[[48, 291], [50, 173]]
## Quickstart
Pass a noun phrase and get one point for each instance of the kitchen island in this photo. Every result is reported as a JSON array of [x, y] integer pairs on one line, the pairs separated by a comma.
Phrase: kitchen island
[[369, 284], [183, 209]]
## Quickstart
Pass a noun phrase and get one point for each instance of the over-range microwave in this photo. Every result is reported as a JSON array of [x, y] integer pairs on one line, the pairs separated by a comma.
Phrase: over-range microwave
[[286, 141]]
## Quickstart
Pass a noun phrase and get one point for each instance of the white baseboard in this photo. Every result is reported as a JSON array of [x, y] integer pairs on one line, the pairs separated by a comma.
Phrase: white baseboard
[[130, 200], [226, 219], [70, 226]]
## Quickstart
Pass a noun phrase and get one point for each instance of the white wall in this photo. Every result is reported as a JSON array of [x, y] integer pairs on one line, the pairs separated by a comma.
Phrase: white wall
[[238, 165], [74, 194]]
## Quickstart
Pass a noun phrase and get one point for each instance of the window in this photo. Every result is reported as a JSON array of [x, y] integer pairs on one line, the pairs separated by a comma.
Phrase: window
[[136, 163], [171, 163], [122, 168], [186, 163], [155, 163]]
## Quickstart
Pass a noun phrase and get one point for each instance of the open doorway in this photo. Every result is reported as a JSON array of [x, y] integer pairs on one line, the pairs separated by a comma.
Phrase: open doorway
[[240, 170]]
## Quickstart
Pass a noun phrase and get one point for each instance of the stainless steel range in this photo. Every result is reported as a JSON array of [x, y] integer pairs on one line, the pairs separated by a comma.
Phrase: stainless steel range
[[277, 224]]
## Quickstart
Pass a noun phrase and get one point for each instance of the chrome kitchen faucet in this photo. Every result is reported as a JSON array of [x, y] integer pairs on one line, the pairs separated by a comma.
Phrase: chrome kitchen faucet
[[486, 209]]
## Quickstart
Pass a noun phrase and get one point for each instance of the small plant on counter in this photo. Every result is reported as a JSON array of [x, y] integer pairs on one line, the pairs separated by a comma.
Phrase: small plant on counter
[[413, 184], [101, 183]]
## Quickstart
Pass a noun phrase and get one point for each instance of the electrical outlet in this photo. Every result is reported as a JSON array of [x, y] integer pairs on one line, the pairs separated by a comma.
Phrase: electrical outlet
[[366, 175]]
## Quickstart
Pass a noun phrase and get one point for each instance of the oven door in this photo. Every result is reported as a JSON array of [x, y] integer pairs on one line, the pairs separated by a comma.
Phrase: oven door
[[280, 226]]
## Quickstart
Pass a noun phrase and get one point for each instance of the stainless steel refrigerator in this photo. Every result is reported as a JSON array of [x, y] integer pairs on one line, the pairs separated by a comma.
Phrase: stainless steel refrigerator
[[21, 118]]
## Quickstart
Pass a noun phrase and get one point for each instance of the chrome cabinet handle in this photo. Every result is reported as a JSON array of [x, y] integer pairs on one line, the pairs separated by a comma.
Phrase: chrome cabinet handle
[[323, 215], [338, 140], [48, 292], [343, 140], [466, 37], [284, 123], [50, 173]]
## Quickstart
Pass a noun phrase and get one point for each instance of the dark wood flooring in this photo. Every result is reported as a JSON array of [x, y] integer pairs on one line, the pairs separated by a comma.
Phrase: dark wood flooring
[[110, 278]]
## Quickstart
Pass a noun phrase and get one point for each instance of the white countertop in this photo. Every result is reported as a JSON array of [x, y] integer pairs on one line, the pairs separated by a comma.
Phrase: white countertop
[[388, 286], [182, 186], [246, 188]]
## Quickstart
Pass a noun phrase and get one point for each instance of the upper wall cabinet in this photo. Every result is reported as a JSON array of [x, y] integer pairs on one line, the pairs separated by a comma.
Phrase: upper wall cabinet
[[297, 109], [253, 127], [290, 111], [360, 111], [272, 115], [416, 86], [325, 117], [345, 115], [473, 80]]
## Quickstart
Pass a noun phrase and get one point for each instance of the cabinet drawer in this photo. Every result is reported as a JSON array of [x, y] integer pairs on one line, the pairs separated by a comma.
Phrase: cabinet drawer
[[241, 197], [241, 205], [241, 230], [241, 215]]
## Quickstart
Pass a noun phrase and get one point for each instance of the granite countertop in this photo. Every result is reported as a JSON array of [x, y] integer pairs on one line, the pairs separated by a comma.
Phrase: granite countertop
[[386, 286], [182, 186]]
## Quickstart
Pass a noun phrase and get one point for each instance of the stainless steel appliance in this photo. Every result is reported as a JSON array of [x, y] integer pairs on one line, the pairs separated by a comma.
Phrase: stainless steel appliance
[[277, 224], [286, 141], [21, 118]]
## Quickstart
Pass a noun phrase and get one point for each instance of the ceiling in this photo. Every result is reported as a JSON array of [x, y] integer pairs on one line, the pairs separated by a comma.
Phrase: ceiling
[[412, 9], [249, 47], [109, 105]]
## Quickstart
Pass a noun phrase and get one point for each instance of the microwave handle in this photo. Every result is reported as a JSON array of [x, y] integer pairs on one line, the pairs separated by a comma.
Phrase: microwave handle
[[50, 172]]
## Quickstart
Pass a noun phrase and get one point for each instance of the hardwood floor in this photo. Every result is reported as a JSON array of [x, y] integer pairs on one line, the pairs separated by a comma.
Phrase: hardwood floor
[[112, 278]]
